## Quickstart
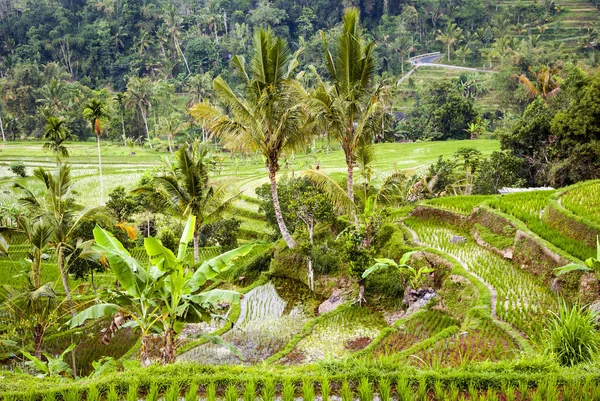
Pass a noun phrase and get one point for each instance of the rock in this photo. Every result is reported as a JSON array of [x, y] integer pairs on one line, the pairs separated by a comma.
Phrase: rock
[[335, 300], [588, 288], [555, 286], [457, 239], [417, 299], [595, 307]]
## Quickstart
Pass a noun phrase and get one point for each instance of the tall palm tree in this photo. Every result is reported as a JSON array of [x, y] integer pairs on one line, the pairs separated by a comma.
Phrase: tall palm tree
[[350, 106], [56, 208], [271, 117], [546, 82], [138, 96], [56, 134], [450, 37], [95, 111]]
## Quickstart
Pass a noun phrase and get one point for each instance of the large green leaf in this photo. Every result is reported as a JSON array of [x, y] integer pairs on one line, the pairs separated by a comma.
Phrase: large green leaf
[[94, 312], [570, 268], [127, 269], [214, 296], [406, 257], [374, 268], [219, 341], [215, 266], [186, 237], [160, 256]]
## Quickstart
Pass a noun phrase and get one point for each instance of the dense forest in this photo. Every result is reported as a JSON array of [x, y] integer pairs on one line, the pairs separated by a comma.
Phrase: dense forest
[[151, 60]]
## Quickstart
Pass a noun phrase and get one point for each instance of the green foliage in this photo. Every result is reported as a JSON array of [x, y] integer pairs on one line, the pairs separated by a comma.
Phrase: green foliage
[[498, 171], [19, 169], [571, 335], [301, 202]]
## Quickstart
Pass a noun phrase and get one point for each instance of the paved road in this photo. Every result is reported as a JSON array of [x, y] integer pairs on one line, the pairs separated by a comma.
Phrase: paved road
[[429, 61]]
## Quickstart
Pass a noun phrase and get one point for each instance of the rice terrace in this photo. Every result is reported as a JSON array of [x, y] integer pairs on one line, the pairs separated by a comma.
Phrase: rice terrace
[[225, 200]]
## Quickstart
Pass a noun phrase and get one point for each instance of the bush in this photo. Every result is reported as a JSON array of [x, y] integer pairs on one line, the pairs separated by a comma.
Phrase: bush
[[571, 335], [19, 169]]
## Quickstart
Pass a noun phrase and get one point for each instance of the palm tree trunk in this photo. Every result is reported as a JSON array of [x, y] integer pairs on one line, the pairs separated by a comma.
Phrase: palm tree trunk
[[282, 227], [2, 129], [100, 167], [146, 125], [196, 244], [65, 279], [38, 340], [123, 128], [170, 350], [350, 165], [187, 67], [144, 350]]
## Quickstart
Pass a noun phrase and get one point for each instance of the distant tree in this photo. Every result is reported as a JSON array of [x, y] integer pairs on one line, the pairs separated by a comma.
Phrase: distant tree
[[351, 106], [450, 37], [95, 111], [470, 161], [138, 96], [270, 118], [498, 171], [56, 134]]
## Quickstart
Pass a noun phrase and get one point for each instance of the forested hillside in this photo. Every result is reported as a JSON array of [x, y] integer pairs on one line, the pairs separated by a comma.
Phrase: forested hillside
[[151, 60]]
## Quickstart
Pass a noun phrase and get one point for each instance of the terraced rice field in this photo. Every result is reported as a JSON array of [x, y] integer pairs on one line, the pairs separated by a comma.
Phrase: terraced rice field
[[584, 201], [522, 300]]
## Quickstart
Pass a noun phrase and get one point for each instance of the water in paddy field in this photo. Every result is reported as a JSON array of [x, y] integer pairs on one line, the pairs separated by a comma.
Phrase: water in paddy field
[[262, 329]]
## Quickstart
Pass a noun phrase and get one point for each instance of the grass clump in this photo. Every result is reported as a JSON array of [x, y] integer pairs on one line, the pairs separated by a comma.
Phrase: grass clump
[[571, 335]]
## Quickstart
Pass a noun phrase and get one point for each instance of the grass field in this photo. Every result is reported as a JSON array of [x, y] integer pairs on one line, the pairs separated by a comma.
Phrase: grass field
[[120, 167]]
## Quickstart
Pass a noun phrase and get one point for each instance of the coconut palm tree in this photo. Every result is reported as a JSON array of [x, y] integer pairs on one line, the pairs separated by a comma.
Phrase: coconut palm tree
[[95, 111], [188, 191], [138, 96], [56, 133], [450, 37], [546, 82], [350, 106], [56, 208], [271, 117]]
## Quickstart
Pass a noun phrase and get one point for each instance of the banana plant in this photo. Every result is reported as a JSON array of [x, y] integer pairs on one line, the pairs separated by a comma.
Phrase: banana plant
[[162, 298], [415, 277], [591, 265], [52, 366]]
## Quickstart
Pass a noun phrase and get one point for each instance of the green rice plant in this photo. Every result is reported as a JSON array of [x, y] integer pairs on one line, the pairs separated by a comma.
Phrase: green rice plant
[[92, 393], [452, 392], [152, 392], [49, 397], [438, 390], [572, 392], [211, 392], [289, 390], [571, 335], [112, 394], [385, 389], [325, 389], [346, 392], [584, 201], [422, 390], [490, 395], [70, 395], [509, 391], [523, 389], [132, 392], [308, 390], [231, 393], [365, 390], [249, 391], [172, 393], [473, 391], [192, 393], [403, 389], [268, 391]]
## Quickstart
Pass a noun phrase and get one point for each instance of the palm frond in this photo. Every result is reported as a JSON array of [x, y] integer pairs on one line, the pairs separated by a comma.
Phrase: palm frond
[[336, 194]]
